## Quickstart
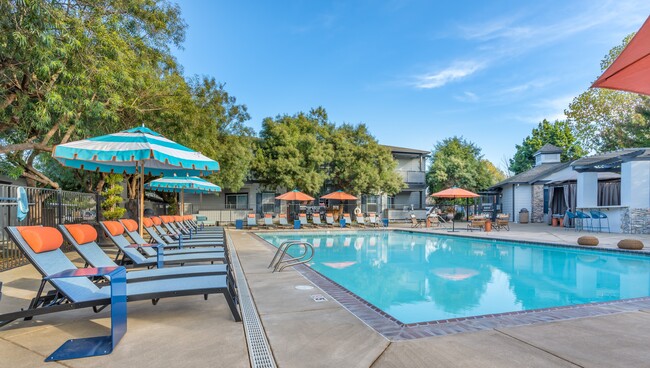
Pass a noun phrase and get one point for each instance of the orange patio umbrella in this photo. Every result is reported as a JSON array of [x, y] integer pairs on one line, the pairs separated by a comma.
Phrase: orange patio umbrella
[[294, 195], [631, 69], [454, 193], [340, 196]]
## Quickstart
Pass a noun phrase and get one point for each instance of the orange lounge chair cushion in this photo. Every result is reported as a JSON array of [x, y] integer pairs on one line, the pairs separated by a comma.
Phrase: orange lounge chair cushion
[[114, 227], [156, 221], [147, 222], [82, 233], [130, 225], [41, 238], [178, 219]]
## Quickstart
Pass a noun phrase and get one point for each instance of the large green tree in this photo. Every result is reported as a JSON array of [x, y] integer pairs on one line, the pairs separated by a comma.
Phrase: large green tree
[[558, 133], [294, 150], [360, 164], [458, 162], [72, 69], [306, 151], [606, 119]]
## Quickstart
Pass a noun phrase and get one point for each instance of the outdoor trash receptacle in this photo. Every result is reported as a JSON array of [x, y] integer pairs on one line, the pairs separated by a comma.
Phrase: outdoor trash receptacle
[[296, 224], [523, 216], [239, 224], [385, 221], [342, 222]]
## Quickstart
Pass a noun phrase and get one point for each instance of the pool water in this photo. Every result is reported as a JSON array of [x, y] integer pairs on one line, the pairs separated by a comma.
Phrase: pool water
[[418, 277]]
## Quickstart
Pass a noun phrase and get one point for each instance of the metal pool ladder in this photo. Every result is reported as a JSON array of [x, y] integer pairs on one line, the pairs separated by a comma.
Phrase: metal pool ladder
[[279, 263]]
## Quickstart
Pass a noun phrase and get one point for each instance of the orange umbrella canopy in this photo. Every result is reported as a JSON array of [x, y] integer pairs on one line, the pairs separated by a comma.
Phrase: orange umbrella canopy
[[295, 195], [455, 193], [340, 195], [631, 70]]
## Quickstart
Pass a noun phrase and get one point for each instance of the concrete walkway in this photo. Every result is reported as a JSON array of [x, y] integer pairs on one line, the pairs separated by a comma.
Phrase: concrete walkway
[[177, 332]]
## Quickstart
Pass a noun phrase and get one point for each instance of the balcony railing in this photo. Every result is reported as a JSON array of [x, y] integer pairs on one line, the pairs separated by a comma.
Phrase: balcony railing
[[415, 177]]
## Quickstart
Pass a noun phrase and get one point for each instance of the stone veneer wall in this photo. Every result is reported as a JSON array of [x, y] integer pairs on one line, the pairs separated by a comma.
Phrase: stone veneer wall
[[537, 214], [636, 221]]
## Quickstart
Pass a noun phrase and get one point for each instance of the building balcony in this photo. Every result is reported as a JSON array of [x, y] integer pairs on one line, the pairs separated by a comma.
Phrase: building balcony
[[412, 177]]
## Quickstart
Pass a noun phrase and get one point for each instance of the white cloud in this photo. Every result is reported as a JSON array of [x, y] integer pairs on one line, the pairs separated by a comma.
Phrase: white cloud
[[549, 109], [456, 71], [467, 97], [518, 34]]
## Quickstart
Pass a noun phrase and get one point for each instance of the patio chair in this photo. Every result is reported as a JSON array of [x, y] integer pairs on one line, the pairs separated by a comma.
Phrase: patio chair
[[373, 220], [329, 219], [131, 228], [361, 221], [172, 235], [283, 223], [74, 290], [502, 222], [149, 226], [83, 238], [316, 221], [303, 220], [347, 219], [601, 217], [251, 220], [114, 230], [476, 223], [414, 221], [585, 221], [268, 221]]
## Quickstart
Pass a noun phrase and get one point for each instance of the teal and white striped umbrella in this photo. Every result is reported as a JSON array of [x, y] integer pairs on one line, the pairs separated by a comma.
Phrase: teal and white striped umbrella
[[123, 152], [188, 184]]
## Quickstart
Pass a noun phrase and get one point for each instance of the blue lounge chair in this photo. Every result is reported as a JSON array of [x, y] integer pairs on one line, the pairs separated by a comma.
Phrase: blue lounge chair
[[268, 221], [150, 228], [251, 220], [114, 231], [303, 220], [83, 238], [283, 223], [74, 290], [172, 238], [188, 246]]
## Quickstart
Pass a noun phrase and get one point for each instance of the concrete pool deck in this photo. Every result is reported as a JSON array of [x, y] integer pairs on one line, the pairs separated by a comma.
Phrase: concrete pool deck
[[191, 332]]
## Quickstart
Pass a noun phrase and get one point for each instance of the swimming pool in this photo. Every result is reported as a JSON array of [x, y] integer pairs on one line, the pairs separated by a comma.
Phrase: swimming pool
[[416, 277]]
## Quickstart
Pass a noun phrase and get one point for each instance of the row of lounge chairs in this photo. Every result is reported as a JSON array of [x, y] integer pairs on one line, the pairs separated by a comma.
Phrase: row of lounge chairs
[[177, 241], [373, 221]]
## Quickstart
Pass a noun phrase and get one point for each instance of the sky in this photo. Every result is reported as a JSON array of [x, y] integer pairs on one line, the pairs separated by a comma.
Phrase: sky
[[415, 72]]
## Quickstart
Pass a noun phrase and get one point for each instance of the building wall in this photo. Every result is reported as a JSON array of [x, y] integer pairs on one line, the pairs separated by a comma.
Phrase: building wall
[[523, 199], [506, 201]]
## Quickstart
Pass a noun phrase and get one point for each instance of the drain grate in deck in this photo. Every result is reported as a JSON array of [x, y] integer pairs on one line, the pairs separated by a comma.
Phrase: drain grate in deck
[[259, 350]]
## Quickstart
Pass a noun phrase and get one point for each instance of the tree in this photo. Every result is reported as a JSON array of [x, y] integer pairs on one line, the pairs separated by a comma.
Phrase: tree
[[558, 133], [293, 151], [458, 162], [605, 119], [73, 69], [112, 198], [360, 164]]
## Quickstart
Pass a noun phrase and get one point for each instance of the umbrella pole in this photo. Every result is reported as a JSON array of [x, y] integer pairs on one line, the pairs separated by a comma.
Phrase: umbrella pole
[[141, 197], [182, 201]]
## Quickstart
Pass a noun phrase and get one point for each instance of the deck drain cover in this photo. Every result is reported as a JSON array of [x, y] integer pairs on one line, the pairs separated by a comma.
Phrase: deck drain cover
[[304, 287], [319, 298]]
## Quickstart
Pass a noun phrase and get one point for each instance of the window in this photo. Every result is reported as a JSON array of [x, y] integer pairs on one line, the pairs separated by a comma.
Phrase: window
[[370, 203], [268, 202], [237, 201]]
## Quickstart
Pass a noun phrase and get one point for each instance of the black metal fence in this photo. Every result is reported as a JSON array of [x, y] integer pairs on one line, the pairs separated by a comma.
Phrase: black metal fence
[[47, 207]]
